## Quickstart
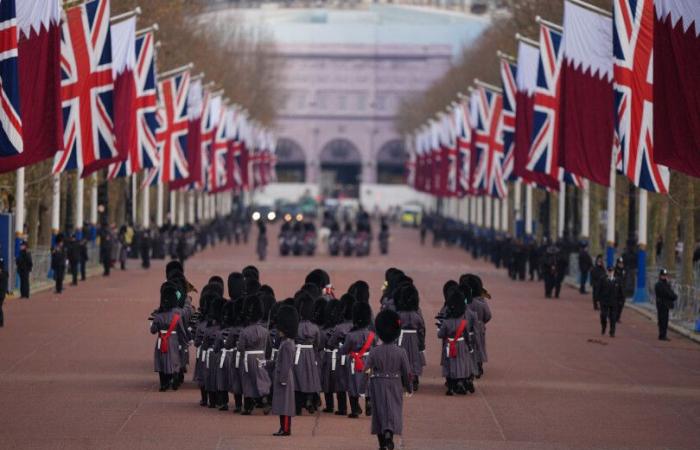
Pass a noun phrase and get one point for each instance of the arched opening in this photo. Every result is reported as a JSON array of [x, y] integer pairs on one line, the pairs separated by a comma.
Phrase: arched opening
[[291, 162], [391, 163], [341, 169]]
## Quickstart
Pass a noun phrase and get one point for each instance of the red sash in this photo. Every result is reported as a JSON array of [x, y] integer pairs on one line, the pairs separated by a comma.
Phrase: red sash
[[453, 342], [357, 356], [329, 291], [166, 337]]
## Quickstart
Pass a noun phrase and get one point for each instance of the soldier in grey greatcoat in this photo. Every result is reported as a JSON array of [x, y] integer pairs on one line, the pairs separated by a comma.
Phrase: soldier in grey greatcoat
[[412, 337], [252, 343], [167, 325], [389, 374], [283, 392], [356, 348], [307, 380], [335, 342], [472, 284], [212, 340], [454, 332], [330, 361], [205, 298]]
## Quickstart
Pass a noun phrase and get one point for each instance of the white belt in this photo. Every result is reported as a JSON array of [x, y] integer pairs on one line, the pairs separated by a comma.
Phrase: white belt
[[207, 354], [334, 357], [162, 333], [405, 332], [223, 357], [352, 363], [274, 353], [199, 352], [447, 348], [238, 358], [250, 352], [298, 353]]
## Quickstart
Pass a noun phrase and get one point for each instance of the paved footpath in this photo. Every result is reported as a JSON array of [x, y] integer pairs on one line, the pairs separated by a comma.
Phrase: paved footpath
[[76, 369]]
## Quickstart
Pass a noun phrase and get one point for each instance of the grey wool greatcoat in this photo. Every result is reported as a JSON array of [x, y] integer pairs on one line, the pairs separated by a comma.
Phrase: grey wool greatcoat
[[389, 376], [255, 380], [357, 379], [335, 342], [199, 363], [184, 354], [234, 376], [283, 388], [459, 366], [327, 355], [168, 362], [223, 368], [483, 315], [412, 339], [306, 375], [211, 358]]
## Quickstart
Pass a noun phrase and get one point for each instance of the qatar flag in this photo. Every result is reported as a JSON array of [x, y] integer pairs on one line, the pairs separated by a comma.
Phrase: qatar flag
[[39, 70], [123, 36], [677, 85], [195, 104], [586, 111], [526, 81]]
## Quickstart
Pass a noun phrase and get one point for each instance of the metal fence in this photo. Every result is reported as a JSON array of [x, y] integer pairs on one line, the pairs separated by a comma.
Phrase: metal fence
[[41, 259]]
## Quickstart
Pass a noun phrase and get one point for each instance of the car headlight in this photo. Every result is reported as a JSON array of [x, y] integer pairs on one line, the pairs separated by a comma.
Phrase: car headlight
[[271, 216], [287, 217], [300, 217], [256, 216]]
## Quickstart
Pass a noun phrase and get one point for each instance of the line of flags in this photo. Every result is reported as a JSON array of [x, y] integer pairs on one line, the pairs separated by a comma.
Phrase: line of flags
[[82, 87], [602, 89]]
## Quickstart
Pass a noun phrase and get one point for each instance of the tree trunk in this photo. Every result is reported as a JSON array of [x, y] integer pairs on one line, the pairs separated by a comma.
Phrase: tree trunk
[[688, 230]]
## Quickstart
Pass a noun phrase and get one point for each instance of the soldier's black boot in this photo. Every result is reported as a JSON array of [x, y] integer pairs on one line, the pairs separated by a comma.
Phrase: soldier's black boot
[[203, 401], [416, 383], [470, 385], [211, 395], [389, 440], [368, 406], [450, 387], [163, 382], [342, 404], [238, 402], [382, 444], [248, 405], [298, 402], [223, 401], [355, 410], [329, 402]]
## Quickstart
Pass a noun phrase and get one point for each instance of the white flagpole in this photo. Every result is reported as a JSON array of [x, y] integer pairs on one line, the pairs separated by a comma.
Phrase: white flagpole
[[561, 210], [146, 206], [528, 210], [134, 199], [505, 222], [586, 210], [93, 206], [640, 293], [190, 207], [159, 205], [200, 205], [488, 203], [19, 206], [517, 200], [180, 196], [496, 214], [55, 206], [610, 231], [79, 206], [172, 208]]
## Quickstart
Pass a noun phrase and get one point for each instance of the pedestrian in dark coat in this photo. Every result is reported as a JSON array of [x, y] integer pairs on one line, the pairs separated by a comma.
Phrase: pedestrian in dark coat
[[24, 267], [146, 249], [335, 342], [252, 343], [261, 244], [283, 391], [73, 255], [584, 266], [626, 283], [3, 289], [597, 275], [171, 333], [610, 291], [665, 301], [307, 380], [412, 337], [58, 263], [106, 252], [356, 347], [83, 256], [389, 375], [454, 333], [330, 360]]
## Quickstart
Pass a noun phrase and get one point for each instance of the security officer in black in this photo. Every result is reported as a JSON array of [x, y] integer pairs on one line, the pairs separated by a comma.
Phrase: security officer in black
[[665, 299], [24, 267], [609, 292]]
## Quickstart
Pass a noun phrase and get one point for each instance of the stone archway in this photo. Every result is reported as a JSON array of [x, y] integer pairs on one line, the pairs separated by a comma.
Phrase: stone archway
[[391, 162], [341, 168], [291, 161]]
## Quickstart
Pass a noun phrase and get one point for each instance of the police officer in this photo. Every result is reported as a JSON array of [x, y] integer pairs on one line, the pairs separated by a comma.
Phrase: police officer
[[609, 293], [665, 299], [24, 268], [58, 263]]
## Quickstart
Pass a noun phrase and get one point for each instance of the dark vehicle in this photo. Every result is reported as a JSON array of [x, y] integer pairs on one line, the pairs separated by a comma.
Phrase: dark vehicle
[[384, 242], [297, 243], [309, 239], [362, 243], [334, 243], [285, 239], [347, 241]]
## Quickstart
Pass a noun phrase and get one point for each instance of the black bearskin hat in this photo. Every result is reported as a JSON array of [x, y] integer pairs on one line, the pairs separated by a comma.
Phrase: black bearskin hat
[[273, 314], [238, 318], [267, 289], [472, 286], [217, 280], [216, 287], [305, 305], [252, 309], [388, 325], [348, 300], [268, 300], [361, 315], [334, 312], [204, 297], [360, 289], [215, 309], [319, 277], [313, 290], [173, 266], [236, 285], [320, 311], [251, 273], [229, 314], [407, 298], [287, 321], [455, 304], [251, 286], [168, 296], [447, 287]]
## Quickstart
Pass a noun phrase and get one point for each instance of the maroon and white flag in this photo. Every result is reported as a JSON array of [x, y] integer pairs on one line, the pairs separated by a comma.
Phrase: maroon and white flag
[[677, 85], [39, 69], [123, 37], [586, 120]]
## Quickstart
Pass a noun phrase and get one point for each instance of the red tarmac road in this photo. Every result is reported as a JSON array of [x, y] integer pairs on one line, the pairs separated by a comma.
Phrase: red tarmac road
[[76, 369]]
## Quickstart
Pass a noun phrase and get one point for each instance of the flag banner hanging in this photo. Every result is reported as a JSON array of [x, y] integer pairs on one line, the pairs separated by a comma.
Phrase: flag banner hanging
[[172, 130], [463, 134], [586, 116], [123, 35], [87, 90], [634, 96], [219, 161], [206, 138], [676, 65], [10, 120], [142, 151], [194, 124], [39, 82], [487, 140], [510, 90]]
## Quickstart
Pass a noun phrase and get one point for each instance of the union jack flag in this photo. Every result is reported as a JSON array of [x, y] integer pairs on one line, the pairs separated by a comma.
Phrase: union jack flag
[[145, 154], [487, 140], [633, 34], [510, 90], [10, 120], [220, 154], [207, 136], [463, 132], [544, 145], [172, 131], [86, 90]]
